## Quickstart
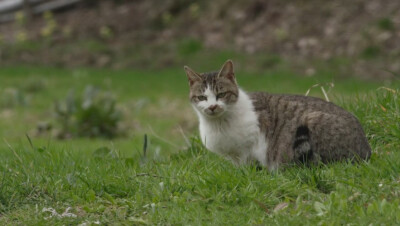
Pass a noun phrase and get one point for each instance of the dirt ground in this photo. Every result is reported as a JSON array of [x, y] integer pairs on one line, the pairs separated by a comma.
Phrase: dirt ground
[[123, 33]]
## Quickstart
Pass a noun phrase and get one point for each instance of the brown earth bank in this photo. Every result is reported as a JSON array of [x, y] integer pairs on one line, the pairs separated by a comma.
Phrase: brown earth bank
[[360, 37]]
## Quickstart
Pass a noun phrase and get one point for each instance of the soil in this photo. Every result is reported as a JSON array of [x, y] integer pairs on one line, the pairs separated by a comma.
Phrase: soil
[[136, 33]]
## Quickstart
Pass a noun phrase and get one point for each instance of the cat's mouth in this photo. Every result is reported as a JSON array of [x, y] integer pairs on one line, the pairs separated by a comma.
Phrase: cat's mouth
[[215, 113]]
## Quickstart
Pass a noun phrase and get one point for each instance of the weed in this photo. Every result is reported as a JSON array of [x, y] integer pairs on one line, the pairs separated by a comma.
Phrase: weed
[[50, 26], [371, 52], [106, 32], [34, 85], [93, 115], [189, 47], [386, 24], [12, 97]]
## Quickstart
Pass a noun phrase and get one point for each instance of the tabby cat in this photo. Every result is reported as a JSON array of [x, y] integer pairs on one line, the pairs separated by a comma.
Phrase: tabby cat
[[271, 130]]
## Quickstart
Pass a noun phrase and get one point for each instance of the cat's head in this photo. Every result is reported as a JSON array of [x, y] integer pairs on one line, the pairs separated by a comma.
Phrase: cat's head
[[213, 93]]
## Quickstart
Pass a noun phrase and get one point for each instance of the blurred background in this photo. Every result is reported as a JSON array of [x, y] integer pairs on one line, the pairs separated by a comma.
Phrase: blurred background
[[356, 38]]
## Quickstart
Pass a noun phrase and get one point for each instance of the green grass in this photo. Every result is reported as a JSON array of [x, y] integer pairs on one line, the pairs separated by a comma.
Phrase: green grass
[[180, 183]]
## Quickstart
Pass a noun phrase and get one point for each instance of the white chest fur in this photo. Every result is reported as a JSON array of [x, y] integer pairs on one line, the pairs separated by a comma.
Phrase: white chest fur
[[236, 134]]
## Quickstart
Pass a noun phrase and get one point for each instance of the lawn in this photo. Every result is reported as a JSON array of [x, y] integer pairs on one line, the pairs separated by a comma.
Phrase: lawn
[[89, 181]]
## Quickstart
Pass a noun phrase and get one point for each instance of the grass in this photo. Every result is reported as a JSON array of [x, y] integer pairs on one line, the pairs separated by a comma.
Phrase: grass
[[176, 182]]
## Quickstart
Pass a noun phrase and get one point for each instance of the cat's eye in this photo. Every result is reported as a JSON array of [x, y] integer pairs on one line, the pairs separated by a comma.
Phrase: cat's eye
[[221, 95], [201, 98]]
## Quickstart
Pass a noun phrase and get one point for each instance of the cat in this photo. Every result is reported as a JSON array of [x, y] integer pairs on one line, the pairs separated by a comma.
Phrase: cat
[[271, 130]]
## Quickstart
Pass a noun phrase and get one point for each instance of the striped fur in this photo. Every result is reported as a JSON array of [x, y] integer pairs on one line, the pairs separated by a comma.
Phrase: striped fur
[[271, 129]]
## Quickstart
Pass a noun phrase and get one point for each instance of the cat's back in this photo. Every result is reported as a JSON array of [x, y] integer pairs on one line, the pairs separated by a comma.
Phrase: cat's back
[[295, 110], [334, 133], [263, 101]]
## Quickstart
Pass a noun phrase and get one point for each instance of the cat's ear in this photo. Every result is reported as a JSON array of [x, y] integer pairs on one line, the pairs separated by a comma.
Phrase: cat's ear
[[192, 75], [227, 71]]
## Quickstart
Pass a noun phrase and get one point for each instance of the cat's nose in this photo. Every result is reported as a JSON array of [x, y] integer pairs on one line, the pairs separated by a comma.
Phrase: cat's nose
[[213, 107]]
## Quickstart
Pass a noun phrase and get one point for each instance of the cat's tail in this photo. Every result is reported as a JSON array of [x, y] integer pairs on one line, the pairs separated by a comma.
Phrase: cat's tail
[[302, 146]]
